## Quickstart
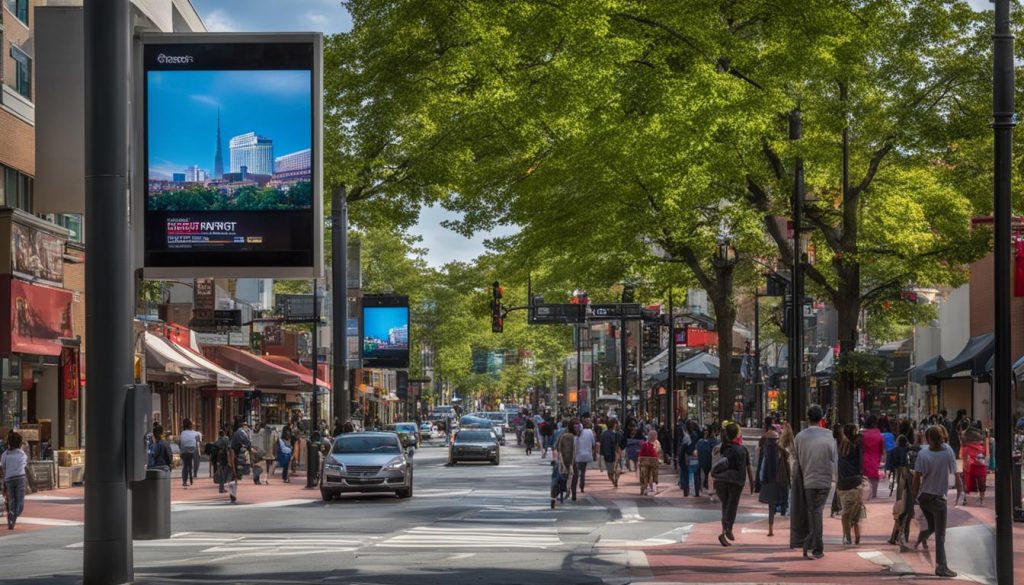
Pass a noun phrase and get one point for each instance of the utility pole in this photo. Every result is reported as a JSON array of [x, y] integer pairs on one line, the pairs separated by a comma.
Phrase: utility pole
[[339, 305], [796, 291], [108, 555], [673, 399], [1003, 122], [312, 457], [579, 363]]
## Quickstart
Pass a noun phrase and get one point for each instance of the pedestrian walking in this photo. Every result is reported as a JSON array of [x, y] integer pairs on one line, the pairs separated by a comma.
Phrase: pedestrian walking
[[972, 445], [611, 451], [563, 457], [224, 457], [730, 472], [13, 463], [816, 460], [848, 485], [932, 469], [188, 444], [547, 433], [705, 447], [529, 436], [586, 452], [649, 458], [837, 506], [283, 454], [772, 483], [872, 446], [902, 477]]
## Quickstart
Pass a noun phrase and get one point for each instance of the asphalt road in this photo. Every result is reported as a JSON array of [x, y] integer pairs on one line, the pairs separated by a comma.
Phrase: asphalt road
[[472, 523]]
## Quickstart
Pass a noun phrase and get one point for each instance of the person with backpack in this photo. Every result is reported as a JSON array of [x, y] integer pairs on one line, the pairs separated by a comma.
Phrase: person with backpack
[[547, 431], [224, 460], [161, 455], [730, 471], [188, 441], [705, 447], [529, 436]]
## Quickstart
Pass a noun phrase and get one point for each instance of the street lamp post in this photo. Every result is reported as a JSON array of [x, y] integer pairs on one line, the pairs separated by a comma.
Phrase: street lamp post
[[1003, 122]]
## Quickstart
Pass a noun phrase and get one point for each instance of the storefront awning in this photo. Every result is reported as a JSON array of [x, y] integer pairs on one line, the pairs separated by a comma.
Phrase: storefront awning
[[971, 359], [702, 366], [167, 361], [920, 372], [305, 374], [262, 373]]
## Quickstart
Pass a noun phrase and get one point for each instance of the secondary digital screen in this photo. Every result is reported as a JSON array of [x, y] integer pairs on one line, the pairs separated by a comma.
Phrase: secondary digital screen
[[385, 337], [231, 161]]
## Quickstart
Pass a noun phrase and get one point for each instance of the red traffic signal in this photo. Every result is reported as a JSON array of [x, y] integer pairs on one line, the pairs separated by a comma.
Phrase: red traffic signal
[[497, 291]]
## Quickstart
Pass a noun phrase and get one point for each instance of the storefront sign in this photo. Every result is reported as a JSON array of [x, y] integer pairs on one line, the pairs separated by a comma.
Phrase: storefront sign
[[37, 318], [204, 301], [69, 373], [36, 254], [233, 180]]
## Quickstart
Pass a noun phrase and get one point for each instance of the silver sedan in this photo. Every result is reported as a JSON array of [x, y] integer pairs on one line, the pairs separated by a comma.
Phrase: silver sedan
[[366, 462]]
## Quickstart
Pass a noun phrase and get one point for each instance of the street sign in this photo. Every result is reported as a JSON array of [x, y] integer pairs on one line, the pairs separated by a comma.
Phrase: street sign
[[614, 311], [227, 318], [555, 314], [297, 308]]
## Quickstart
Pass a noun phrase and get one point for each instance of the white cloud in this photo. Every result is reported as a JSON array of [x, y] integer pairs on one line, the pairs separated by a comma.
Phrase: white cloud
[[317, 20], [206, 99], [219, 21]]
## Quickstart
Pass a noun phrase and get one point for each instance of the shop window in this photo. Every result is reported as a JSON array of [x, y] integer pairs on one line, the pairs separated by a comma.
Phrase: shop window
[[19, 8], [23, 72]]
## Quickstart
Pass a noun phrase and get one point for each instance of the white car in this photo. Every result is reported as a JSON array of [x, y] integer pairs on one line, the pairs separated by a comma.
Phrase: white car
[[429, 430]]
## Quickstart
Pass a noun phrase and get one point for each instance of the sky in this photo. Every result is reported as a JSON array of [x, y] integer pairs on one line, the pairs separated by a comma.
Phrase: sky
[[183, 114], [378, 321], [328, 16]]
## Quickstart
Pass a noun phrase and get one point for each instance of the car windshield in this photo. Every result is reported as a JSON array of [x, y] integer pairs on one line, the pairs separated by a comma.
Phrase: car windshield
[[406, 428], [366, 444], [495, 416], [474, 421], [473, 436]]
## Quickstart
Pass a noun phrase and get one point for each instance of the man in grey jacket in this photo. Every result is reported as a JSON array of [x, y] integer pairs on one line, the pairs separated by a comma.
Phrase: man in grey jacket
[[816, 457]]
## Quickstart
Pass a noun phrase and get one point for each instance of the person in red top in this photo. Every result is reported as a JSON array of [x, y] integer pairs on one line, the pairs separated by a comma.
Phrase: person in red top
[[650, 456], [873, 448]]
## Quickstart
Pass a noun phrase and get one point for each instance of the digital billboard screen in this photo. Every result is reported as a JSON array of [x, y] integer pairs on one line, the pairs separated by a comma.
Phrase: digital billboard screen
[[385, 331], [232, 156]]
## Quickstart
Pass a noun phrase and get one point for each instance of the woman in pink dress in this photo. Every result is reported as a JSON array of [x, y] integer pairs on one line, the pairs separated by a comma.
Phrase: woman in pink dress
[[873, 448]]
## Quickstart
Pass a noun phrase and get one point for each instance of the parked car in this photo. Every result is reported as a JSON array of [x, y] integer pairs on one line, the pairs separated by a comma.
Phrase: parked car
[[407, 432], [475, 444], [428, 430], [366, 462]]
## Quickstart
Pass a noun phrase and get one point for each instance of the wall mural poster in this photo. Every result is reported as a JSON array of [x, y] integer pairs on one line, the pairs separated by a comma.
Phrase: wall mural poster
[[37, 254], [40, 316]]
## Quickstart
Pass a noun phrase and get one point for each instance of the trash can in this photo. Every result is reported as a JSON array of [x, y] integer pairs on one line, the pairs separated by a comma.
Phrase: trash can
[[151, 505]]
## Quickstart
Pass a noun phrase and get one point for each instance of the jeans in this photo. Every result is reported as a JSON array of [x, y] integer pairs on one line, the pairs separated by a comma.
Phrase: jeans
[[187, 467], [580, 476], [686, 471], [934, 509], [284, 468], [729, 493], [814, 500], [224, 476], [15, 498], [612, 466]]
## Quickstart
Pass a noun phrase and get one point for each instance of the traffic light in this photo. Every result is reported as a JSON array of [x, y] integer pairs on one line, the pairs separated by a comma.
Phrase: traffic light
[[497, 321]]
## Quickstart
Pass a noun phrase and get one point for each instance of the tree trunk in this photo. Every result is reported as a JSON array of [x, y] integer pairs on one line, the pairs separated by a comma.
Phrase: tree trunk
[[847, 305]]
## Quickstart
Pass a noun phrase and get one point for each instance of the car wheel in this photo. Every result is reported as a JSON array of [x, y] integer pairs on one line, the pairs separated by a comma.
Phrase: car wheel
[[496, 460], [326, 495]]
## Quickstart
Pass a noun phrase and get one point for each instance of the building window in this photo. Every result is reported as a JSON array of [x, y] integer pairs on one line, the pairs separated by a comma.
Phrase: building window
[[19, 8], [17, 189], [72, 222], [23, 72]]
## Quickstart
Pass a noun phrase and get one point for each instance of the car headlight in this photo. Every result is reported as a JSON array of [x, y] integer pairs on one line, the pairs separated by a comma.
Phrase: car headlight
[[396, 464], [334, 466]]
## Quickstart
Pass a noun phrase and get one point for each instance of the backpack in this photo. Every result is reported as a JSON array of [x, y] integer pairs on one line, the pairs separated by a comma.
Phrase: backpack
[[221, 455]]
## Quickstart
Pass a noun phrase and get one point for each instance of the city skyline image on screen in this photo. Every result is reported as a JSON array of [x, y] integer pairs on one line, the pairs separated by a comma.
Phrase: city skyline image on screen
[[229, 140], [385, 329]]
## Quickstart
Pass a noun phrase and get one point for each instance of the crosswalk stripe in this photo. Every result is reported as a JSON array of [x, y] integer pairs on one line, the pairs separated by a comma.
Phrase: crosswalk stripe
[[470, 538]]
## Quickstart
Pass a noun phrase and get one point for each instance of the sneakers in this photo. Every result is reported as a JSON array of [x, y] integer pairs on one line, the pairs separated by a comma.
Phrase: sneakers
[[944, 572], [233, 498]]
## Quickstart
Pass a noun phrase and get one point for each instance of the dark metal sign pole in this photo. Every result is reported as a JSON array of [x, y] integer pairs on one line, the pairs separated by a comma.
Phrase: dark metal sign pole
[[673, 399], [1003, 123], [108, 281], [796, 291], [625, 369], [339, 304]]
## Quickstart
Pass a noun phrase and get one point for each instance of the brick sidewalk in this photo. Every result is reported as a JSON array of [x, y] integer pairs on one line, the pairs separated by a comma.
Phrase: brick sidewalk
[[65, 507], [757, 558]]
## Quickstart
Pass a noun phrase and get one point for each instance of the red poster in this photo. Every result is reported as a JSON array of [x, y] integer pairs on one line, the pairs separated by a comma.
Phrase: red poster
[[39, 316]]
